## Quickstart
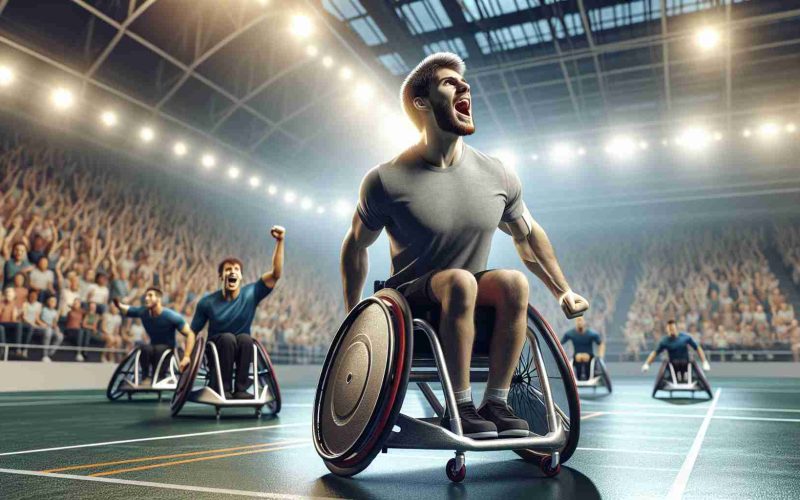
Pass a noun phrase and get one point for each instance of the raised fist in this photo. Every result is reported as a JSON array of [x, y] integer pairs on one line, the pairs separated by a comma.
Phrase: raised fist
[[278, 232]]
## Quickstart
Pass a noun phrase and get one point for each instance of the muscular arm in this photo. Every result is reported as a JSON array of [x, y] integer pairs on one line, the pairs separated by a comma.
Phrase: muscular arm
[[271, 277], [355, 260], [701, 354], [123, 308], [537, 253], [187, 332]]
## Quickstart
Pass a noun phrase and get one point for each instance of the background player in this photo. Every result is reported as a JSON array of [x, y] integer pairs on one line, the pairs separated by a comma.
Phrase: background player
[[229, 313], [583, 340], [677, 347]]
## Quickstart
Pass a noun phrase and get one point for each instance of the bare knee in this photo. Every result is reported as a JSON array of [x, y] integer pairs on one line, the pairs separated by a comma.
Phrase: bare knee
[[513, 288], [459, 291]]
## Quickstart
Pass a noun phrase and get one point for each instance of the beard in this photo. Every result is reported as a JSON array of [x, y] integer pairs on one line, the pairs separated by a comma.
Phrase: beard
[[447, 121]]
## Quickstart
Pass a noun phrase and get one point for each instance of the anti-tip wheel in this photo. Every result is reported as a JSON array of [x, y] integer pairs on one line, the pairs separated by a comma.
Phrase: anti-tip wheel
[[455, 475], [546, 465]]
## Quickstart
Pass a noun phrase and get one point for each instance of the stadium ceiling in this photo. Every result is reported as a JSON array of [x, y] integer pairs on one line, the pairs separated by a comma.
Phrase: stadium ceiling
[[229, 71]]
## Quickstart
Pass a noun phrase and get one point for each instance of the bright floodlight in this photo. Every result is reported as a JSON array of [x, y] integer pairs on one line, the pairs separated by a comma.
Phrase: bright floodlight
[[707, 38], [254, 182], [289, 197], [146, 134], [364, 92], [320, 210], [581, 151], [342, 208], [346, 73], [208, 161], [718, 136], [302, 26], [327, 61], [768, 130], [399, 131], [561, 153], [62, 98], [312, 51], [791, 128], [693, 138], [109, 118], [6, 76], [272, 190], [621, 147], [179, 149], [306, 204], [508, 158], [534, 157], [233, 172], [746, 133], [643, 145]]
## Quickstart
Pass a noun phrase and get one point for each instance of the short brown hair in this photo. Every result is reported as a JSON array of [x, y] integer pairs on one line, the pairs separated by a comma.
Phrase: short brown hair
[[418, 81], [229, 260], [156, 290]]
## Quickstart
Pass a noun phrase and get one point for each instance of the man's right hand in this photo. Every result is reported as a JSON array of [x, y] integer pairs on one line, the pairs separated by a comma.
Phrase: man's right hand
[[645, 367], [573, 304]]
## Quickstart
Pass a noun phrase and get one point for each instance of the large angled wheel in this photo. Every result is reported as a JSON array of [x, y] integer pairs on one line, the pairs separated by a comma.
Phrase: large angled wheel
[[125, 371], [702, 380], [662, 371], [604, 373], [188, 376], [267, 378], [363, 383], [527, 398]]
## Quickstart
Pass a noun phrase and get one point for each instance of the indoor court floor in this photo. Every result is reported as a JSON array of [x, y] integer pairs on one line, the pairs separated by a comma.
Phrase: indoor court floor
[[743, 444]]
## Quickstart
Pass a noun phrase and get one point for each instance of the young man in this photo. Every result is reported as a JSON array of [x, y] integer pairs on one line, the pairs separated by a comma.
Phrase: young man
[[677, 347], [72, 328], [583, 341], [16, 264], [229, 313], [441, 202], [160, 323], [10, 317], [42, 279], [48, 320], [31, 310], [110, 328]]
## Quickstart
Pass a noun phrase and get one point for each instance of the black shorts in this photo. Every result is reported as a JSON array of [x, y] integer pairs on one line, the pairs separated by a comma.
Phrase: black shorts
[[418, 292]]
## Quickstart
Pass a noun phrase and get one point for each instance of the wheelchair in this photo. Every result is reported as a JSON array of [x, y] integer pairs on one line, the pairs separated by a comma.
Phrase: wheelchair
[[597, 376], [201, 382], [127, 377], [693, 379], [380, 348]]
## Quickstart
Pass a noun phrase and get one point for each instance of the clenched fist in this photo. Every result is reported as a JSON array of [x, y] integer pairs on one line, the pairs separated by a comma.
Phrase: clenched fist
[[278, 232]]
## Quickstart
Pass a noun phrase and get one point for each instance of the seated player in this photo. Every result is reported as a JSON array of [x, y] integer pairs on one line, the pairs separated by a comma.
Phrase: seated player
[[583, 341], [229, 313], [676, 344], [160, 323]]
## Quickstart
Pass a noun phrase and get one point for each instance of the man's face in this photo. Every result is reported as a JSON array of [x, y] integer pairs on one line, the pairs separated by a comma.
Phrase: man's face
[[19, 252], [42, 263], [10, 294], [32, 295], [231, 276], [19, 280], [672, 329], [451, 103], [51, 302], [151, 299]]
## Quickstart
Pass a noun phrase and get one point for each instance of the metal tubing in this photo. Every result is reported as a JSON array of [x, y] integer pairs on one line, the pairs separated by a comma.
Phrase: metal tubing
[[431, 397]]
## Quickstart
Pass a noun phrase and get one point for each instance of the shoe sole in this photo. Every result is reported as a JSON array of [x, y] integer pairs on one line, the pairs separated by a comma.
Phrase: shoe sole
[[482, 435], [514, 433]]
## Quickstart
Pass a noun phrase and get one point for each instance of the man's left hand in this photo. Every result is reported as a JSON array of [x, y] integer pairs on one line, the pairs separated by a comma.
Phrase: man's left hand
[[185, 362], [573, 304], [278, 232], [706, 366]]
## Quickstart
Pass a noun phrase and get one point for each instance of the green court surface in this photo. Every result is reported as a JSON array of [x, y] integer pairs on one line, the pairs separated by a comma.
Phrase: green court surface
[[744, 444]]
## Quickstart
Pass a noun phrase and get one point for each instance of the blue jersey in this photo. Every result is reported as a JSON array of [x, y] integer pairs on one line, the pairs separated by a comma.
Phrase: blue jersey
[[582, 342], [229, 316], [161, 328], [677, 347]]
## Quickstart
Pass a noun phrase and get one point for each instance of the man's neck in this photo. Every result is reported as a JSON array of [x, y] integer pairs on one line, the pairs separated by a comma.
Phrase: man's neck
[[156, 310], [230, 295], [440, 149]]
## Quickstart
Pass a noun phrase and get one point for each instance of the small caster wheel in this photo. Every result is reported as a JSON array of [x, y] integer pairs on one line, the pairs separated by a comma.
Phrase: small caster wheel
[[546, 465], [455, 475]]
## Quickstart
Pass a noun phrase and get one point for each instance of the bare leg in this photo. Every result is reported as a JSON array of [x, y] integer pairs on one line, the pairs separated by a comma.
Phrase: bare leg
[[456, 290], [507, 292]]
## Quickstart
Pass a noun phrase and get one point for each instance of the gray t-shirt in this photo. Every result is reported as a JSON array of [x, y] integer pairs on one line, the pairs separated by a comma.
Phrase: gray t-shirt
[[439, 218]]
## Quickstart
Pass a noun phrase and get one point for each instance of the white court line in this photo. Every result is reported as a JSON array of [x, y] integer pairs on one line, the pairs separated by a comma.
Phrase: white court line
[[679, 485], [661, 406], [296, 405], [638, 452], [633, 467], [150, 484], [697, 415], [42, 397], [157, 438], [47, 403]]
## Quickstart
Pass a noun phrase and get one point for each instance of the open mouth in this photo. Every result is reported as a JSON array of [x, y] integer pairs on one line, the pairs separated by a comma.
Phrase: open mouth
[[232, 280], [464, 107]]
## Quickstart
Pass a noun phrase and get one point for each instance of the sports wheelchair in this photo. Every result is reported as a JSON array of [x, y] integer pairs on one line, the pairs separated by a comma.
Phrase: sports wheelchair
[[201, 381], [380, 348], [597, 375], [693, 379], [127, 378]]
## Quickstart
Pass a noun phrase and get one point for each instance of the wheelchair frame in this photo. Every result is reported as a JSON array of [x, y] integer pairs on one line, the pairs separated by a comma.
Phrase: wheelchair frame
[[168, 382], [694, 384], [594, 381]]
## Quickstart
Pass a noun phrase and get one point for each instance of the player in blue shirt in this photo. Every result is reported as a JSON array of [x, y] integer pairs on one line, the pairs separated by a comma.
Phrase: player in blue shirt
[[229, 312], [583, 340], [677, 346], [160, 323]]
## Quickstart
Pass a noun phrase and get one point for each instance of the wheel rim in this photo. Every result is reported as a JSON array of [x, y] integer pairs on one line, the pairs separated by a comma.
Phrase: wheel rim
[[125, 371], [188, 376]]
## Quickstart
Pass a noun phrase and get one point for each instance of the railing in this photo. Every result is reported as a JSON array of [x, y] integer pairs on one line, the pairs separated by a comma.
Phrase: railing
[[728, 355], [6, 349]]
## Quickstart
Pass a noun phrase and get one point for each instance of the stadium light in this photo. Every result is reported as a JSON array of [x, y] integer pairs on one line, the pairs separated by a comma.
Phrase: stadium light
[[507, 158], [768, 130], [320, 210], [561, 153], [342, 208], [312, 51], [399, 131], [693, 139], [301, 26], [6, 76], [179, 149], [717, 136], [643, 145], [791, 128], [581, 151], [208, 161], [621, 147], [707, 38], [146, 134], [272, 190], [306, 204], [254, 182], [327, 61], [746, 133], [346, 73], [364, 92], [289, 197], [534, 157], [62, 98], [233, 172], [109, 118]]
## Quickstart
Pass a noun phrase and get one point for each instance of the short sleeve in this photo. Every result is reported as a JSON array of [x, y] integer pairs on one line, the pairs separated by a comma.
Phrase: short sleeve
[[565, 338], [372, 201], [177, 320], [260, 291], [662, 346], [135, 312], [200, 317], [691, 342], [515, 206], [597, 338]]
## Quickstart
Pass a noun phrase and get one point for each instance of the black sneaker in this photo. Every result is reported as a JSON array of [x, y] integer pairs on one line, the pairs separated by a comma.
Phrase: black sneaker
[[473, 425], [228, 395], [508, 424], [242, 395]]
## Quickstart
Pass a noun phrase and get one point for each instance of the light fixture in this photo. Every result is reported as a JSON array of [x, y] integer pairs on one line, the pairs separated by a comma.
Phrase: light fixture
[[272, 190], [301, 26], [6, 76], [62, 98], [146, 134], [346, 73], [306, 204], [233, 172], [179, 149], [208, 161], [312, 51], [707, 38], [289, 197], [327, 61], [254, 182], [109, 118]]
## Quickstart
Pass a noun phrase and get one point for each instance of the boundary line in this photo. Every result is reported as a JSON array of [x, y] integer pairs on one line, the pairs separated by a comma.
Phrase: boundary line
[[681, 480]]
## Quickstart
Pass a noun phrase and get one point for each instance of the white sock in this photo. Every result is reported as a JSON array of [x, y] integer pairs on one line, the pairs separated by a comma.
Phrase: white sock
[[497, 395], [464, 396]]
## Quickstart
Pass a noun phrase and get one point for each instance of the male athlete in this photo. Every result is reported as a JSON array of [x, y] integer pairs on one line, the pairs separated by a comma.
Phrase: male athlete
[[583, 341], [441, 202], [160, 323], [677, 347], [229, 313]]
